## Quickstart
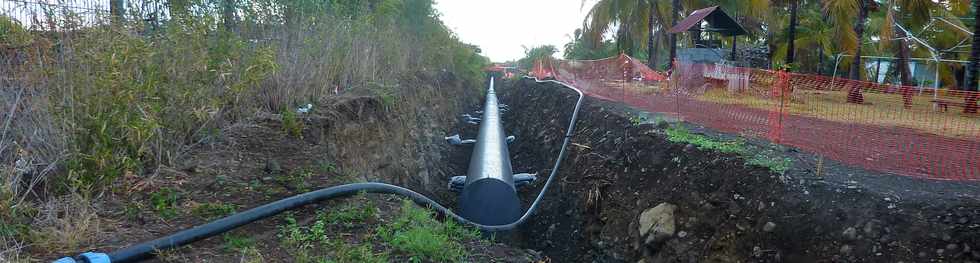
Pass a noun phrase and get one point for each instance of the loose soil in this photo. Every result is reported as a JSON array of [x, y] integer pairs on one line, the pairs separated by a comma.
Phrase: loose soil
[[615, 170]]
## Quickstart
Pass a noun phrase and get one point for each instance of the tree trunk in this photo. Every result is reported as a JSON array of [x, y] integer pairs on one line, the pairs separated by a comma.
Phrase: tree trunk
[[116, 10], [770, 47], [228, 15], [971, 67], [676, 9], [820, 61], [655, 52], [651, 38], [904, 73], [854, 95], [790, 44]]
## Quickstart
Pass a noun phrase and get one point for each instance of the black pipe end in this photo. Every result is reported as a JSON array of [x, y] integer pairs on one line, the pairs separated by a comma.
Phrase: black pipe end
[[490, 202]]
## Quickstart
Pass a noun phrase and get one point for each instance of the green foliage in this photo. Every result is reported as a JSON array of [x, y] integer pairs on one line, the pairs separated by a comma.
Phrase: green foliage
[[679, 134], [12, 34], [579, 49], [306, 241], [753, 155], [292, 125], [635, 120], [364, 252], [238, 243], [416, 233], [214, 210], [297, 180], [131, 101], [351, 214], [769, 159], [544, 53], [164, 202]]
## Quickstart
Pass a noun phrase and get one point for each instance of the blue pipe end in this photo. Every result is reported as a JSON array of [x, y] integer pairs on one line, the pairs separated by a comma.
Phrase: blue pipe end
[[89, 257]]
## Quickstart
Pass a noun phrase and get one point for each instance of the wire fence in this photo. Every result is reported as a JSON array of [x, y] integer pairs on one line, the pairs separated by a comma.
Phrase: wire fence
[[905, 130], [74, 14]]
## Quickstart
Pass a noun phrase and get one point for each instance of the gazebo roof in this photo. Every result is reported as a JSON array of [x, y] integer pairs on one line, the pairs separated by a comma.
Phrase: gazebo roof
[[718, 22]]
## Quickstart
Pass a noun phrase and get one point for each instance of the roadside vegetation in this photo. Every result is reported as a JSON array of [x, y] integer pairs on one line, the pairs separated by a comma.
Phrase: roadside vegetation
[[93, 105], [753, 155]]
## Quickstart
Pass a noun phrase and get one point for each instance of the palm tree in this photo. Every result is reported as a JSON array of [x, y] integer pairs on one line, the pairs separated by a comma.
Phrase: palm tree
[[635, 20], [920, 13], [850, 35], [971, 68]]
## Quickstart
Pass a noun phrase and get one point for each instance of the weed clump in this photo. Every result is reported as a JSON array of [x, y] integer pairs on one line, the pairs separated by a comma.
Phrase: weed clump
[[417, 233], [753, 155]]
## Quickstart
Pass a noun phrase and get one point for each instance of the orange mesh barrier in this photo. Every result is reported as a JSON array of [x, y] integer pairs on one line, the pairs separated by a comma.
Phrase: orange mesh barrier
[[906, 130]]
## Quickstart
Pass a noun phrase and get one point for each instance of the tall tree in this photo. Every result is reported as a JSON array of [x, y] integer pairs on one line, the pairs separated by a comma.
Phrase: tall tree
[[917, 12], [675, 10], [971, 68], [850, 18], [651, 49], [791, 45], [116, 10], [633, 21]]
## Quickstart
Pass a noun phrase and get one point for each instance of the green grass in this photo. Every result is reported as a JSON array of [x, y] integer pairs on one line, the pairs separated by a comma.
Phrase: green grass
[[679, 134], [753, 155], [351, 214], [364, 252], [238, 243], [416, 233], [211, 211], [297, 180], [165, 202], [413, 233]]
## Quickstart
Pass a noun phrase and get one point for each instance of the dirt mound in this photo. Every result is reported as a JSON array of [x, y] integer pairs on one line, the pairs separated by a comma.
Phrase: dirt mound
[[726, 210]]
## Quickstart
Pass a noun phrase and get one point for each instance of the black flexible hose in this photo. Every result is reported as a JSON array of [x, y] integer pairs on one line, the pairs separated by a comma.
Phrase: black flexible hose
[[147, 249]]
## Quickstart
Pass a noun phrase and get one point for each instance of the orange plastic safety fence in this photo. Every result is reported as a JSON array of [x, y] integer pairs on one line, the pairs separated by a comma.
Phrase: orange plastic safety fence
[[906, 130]]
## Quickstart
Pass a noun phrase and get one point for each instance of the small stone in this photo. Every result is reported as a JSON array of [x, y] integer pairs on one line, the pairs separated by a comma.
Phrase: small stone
[[940, 251], [850, 234], [947, 237], [966, 248], [846, 250], [952, 247], [922, 254], [689, 148], [682, 234], [769, 227], [963, 220]]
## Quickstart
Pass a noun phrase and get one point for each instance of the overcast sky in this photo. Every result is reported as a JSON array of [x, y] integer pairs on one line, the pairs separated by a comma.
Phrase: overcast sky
[[500, 27]]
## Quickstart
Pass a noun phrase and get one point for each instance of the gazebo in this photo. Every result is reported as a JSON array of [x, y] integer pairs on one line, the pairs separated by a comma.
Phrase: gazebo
[[718, 22]]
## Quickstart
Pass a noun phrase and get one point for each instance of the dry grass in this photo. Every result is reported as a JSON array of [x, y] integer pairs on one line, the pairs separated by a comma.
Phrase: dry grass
[[879, 109], [69, 223]]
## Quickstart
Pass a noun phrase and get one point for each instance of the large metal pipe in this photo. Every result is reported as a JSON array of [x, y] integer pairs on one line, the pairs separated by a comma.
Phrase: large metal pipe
[[489, 196]]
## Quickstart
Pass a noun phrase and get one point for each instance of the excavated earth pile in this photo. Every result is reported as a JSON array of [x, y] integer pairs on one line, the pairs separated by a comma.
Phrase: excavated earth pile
[[627, 194]]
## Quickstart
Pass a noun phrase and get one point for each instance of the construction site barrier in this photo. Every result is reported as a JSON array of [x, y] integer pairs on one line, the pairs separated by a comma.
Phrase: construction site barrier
[[905, 130]]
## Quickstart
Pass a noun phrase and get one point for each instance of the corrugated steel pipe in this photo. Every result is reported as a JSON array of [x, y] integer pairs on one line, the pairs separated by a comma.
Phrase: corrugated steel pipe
[[150, 248]]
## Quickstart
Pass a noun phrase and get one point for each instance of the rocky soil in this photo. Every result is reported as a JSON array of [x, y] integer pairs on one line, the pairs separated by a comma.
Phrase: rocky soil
[[626, 194]]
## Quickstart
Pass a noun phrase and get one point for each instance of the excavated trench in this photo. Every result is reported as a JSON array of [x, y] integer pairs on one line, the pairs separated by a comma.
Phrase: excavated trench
[[722, 209]]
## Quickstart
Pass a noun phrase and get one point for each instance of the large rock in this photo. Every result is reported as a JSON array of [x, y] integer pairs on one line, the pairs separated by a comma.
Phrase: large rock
[[657, 224]]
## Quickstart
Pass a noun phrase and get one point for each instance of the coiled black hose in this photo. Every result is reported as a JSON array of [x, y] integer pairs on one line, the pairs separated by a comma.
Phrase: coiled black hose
[[147, 249]]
